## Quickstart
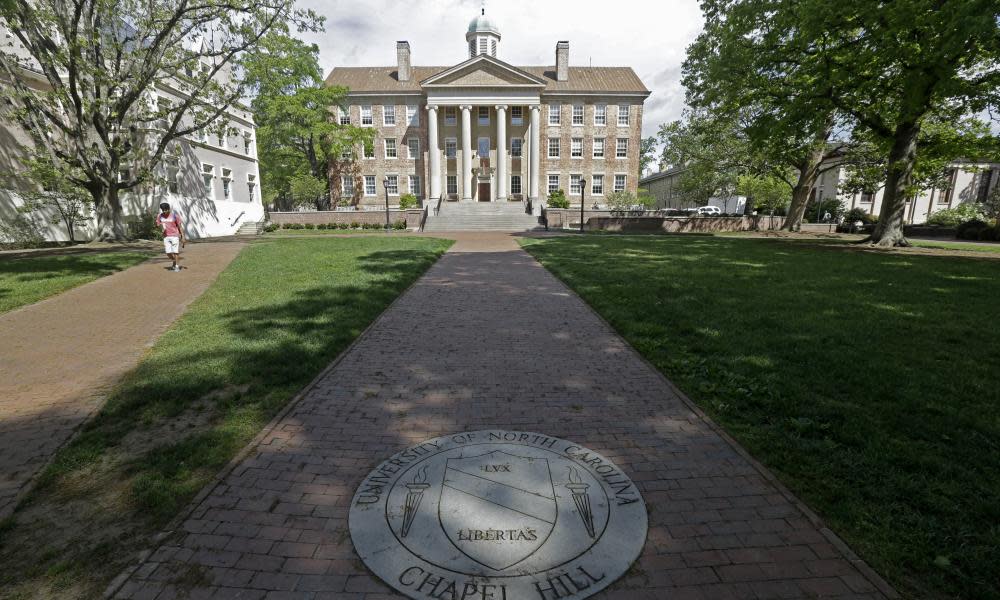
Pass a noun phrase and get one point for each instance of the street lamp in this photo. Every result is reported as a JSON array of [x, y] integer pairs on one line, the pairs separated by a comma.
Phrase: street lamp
[[385, 184], [583, 189]]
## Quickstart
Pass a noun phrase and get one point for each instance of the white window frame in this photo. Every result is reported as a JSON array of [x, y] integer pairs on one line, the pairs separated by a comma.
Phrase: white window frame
[[479, 115], [576, 147], [367, 120], [516, 147], [623, 115], [621, 149], [517, 115], [364, 150], [344, 117], [227, 184], [600, 114], [251, 185], [411, 153], [624, 180], [594, 178], [578, 112], [414, 185], [392, 184], [247, 143], [450, 116], [515, 189], [599, 142], [553, 144], [208, 180], [386, 143], [413, 115], [347, 185], [173, 168], [453, 144], [548, 183], [388, 115], [575, 184], [555, 114], [374, 186], [451, 184]]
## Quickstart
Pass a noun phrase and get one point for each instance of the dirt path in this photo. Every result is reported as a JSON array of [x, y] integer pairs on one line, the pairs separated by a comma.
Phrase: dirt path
[[59, 356]]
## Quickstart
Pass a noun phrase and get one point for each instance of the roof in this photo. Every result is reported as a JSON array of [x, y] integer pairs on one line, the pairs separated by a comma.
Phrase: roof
[[581, 79], [662, 174], [484, 24]]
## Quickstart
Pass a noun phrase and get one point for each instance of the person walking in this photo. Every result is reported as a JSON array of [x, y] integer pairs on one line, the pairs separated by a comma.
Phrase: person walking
[[173, 233]]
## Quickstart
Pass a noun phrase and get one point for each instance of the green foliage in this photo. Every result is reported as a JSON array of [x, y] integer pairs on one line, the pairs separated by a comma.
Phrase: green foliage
[[557, 199], [971, 229], [20, 232], [143, 227], [816, 210], [647, 153], [399, 225], [56, 194], [306, 190], [856, 215], [271, 227], [953, 217], [627, 201], [408, 201], [768, 194]]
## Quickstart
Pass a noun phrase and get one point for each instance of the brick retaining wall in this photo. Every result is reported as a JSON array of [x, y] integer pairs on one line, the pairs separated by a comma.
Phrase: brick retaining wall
[[412, 216], [568, 218]]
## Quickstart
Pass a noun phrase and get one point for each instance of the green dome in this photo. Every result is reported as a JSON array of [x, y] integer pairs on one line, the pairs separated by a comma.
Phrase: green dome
[[483, 23]]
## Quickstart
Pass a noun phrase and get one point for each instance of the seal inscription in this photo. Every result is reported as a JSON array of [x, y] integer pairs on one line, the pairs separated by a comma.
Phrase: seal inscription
[[498, 515]]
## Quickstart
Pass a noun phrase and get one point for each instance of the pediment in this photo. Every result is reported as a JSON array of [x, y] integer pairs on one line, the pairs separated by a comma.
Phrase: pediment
[[483, 71]]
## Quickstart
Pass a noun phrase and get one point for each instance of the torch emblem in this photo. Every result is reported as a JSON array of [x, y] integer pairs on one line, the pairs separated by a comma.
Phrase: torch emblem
[[416, 489], [581, 499]]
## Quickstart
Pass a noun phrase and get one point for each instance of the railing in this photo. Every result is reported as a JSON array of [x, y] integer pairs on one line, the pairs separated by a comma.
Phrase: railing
[[238, 217]]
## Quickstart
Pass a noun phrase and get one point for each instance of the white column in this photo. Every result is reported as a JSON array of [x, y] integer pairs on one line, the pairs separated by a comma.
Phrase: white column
[[501, 152], [536, 144], [466, 152], [433, 153]]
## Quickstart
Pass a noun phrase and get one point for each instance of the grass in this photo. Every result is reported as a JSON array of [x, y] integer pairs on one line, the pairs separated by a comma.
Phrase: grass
[[24, 281], [274, 318], [868, 381], [971, 247]]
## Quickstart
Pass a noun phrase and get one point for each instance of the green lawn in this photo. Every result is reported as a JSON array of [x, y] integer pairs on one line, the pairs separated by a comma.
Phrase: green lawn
[[272, 321], [27, 280], [868, 381], [971, 247]]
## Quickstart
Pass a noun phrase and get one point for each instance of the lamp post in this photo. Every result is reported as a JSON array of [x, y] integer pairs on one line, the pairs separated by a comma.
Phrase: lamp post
[[583, 189], [385, 184]]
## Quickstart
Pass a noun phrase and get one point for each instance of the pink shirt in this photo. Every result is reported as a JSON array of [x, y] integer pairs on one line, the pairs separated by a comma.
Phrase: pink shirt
[[171, 224]]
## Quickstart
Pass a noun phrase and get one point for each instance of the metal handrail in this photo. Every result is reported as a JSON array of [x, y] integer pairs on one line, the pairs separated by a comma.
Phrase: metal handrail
[[238, 217]]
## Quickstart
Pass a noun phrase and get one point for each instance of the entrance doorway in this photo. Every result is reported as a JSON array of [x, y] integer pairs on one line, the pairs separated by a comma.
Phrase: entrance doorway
[[484, 192]]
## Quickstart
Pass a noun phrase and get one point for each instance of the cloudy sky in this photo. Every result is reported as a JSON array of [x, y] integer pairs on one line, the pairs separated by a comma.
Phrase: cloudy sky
[[648, 35]]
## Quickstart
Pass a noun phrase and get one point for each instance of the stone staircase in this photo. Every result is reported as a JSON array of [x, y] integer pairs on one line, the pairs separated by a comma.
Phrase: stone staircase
[[481, 216], [251, 228]]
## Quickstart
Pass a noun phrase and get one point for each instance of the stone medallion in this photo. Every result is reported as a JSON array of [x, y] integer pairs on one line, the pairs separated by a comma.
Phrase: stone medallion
[[498, 515]]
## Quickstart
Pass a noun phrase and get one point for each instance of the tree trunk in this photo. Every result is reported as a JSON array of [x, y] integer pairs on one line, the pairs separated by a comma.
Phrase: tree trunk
[[889, 230], [807, 177], [107, 205]]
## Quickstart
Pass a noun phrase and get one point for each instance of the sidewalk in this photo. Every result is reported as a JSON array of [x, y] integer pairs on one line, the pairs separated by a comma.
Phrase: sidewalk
[[489, 339], [59, 356]]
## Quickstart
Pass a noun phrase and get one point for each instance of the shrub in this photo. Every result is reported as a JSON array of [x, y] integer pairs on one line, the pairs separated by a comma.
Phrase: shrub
[[309, 226], [343, 226], [557, 199], [989, 234], [142, 228], [407, 201], [829, 205], [953, 217], [355, 225], [400, 224], [19, 233], [296, 226], [969, 230], [270, 227]]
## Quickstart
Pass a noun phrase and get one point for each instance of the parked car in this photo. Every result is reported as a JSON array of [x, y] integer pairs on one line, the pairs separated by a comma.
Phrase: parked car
[[709, 211]]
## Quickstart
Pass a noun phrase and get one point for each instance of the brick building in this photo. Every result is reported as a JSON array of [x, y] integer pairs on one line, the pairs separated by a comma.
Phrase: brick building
[[487, 131]]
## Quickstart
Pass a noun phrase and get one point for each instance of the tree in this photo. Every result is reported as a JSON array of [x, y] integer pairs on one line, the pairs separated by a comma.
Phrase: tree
[[768, 193], [297, 132], [307, 190], [64, 202], [647, 153], [97, 116]]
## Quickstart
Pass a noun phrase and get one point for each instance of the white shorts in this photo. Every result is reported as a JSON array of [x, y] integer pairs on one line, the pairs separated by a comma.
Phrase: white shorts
[[172, 244]]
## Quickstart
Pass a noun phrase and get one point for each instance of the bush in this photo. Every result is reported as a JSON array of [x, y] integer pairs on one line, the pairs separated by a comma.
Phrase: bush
[[142, 228], [309, 226], [19, 233], [399, 225], [343, 226], [829, 205], [557, 199], [295, 226], [970, 230], [407, 201], [355, 225], [270, 227], [990, 234], [953, 217]]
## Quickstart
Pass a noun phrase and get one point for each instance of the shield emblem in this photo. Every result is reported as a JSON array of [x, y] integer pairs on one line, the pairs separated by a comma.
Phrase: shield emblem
[[497, 508]]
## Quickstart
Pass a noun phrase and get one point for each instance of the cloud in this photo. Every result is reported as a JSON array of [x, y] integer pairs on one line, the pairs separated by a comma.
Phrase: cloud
[[649, 36]]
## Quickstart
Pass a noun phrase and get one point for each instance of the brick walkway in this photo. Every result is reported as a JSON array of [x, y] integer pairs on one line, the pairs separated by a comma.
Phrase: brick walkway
[[59, 356], [489, 339]]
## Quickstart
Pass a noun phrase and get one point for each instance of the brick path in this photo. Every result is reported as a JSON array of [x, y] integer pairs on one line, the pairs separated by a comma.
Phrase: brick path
[[60, 355], [489, 339]]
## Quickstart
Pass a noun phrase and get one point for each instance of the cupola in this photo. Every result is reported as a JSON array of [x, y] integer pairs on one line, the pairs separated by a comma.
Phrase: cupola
[[483, 36]]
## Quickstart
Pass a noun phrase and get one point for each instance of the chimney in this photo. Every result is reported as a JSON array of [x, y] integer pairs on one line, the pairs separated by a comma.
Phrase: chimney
[[403, 60], [562, 61]]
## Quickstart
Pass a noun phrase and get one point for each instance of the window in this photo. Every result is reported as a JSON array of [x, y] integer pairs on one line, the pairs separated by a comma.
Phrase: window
[[390, 147], [598, 147], [578, 114], [346, 186], [222, 139], [450, 115], [452, 182], [366, 114], [619, 183], [600, 114], [251, 184], [484, 115], [484, 147], [345, 115], [623, 116], [388, 114], [202, 136], [553, 183], [553, 147], [597, 185], [247, 142], [516, 147], [162, 108], [867, 197], [392, 185], [621, 148], [450, 147], [576, 148], [173, 170], [346, 154], [369, 149], [554, 114], [517, 115], [227, 180], [413, 148], [412, 115], [369, 185], [575, 184], [415, 185], [515, 184], [207, 175]]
